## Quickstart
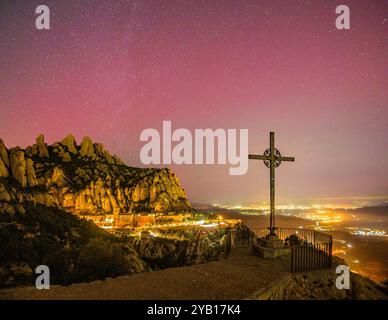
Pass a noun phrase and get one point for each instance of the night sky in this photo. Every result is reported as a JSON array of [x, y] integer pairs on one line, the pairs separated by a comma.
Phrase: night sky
[[109, 69]]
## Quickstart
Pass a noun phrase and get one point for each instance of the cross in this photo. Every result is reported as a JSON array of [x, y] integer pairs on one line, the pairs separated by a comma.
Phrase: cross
[[272, 159]]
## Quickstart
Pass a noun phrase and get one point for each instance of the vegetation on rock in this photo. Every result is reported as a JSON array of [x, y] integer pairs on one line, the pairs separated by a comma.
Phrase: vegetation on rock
[[172, 248], [76, 250]]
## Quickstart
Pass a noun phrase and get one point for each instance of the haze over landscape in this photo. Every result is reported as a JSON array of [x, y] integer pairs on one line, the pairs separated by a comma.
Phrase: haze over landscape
[[360, 235], [261, 65]]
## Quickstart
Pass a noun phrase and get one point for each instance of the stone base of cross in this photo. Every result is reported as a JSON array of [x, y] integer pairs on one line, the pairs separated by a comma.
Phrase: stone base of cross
[[270, 247]]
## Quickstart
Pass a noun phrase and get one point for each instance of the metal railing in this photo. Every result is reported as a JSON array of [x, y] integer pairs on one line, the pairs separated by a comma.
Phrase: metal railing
[[310, 249], [309, 257], [284, 233]]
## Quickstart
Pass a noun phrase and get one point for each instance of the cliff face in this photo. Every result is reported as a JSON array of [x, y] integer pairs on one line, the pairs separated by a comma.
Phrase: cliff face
[[84, 179]]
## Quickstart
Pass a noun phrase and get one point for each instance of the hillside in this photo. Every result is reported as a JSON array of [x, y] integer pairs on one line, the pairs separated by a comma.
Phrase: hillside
[[84, 179], [241, 276], [76, 250]]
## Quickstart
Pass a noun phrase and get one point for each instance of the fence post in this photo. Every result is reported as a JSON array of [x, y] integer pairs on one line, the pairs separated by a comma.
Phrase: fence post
[[331, 251]]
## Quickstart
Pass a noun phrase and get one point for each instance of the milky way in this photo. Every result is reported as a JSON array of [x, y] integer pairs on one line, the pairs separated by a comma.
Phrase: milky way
[[110, 69]]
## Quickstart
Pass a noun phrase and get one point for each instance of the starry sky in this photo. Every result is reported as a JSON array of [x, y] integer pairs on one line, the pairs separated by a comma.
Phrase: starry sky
[[109, 69]]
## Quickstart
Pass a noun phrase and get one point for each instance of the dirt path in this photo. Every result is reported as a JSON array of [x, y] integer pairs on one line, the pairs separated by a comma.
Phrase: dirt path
[[236, 277]]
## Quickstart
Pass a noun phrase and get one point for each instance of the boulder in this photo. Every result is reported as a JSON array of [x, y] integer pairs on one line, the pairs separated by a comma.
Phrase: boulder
[[31, 176], [4, 195], [7, 208], [4, 154], [70, 143], [102, 153], [87, 148], [66, 157], [41, 146], [18, 166], [58, 176], [117, 160], [3, 169]]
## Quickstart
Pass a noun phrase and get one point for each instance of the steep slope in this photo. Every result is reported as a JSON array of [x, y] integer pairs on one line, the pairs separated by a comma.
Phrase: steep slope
[[321, 285], [84, 179], [75, 250]]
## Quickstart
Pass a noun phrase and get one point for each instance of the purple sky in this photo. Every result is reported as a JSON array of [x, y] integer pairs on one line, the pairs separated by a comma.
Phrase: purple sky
[[110, 70]]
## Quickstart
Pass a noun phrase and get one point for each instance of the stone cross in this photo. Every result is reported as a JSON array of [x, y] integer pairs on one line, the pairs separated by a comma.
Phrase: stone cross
[[272, 159]]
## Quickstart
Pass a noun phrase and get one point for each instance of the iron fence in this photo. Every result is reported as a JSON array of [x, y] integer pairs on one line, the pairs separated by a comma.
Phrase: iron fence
[[310, 249], [311, 257], [284, 233]]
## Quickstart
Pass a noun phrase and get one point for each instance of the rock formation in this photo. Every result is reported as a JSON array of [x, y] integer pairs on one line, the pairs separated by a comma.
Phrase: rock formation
[[31, 177], [4, 195], [41, 146], [175, 248], [87, 148], [18, 166], [3, 153], [85, 179], [70, 143], [3, 169]]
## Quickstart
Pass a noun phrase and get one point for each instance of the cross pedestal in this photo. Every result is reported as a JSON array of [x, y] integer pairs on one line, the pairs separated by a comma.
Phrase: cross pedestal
[[271, 246]]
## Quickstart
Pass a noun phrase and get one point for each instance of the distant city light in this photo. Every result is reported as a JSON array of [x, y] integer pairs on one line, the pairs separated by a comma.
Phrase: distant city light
[[209, 225], [368, 232], [339, 251]]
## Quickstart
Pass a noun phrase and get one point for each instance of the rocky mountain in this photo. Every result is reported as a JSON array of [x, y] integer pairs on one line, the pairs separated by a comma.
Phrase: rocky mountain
[[84, 179]]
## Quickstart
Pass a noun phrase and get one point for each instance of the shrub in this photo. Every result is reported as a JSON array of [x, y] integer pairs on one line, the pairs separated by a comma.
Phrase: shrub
[[294, 240], [100, 259]]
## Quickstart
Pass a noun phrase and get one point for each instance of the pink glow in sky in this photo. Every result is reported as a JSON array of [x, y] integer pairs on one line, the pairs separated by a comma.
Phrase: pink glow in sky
[[110, 70]]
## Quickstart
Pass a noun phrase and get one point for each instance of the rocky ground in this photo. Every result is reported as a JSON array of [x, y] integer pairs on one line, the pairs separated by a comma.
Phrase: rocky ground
[[241, 276], [320, 285], [237, 277]]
